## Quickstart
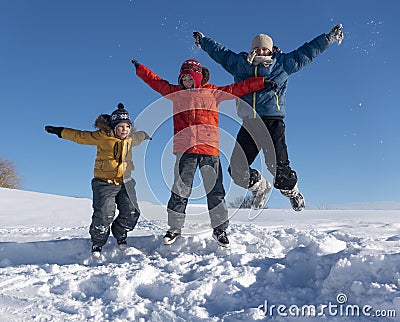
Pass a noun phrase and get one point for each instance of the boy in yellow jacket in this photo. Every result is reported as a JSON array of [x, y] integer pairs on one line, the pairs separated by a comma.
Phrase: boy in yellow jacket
[[112, 183]]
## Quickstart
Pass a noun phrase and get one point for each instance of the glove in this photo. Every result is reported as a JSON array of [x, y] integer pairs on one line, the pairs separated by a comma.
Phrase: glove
[[276, 49], [336, 34], [198, 36], [146, 136], [270, 85], [54, 130], [135, 63]]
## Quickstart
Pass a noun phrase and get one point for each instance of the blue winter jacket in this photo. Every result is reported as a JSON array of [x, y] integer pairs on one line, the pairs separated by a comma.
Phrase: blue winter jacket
[[270, 103]]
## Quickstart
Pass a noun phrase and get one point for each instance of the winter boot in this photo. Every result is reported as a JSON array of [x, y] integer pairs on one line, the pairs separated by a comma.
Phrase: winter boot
[[260, 191], [220, 237], [96, 251], [296, 198], [122, 244], [170, 237]]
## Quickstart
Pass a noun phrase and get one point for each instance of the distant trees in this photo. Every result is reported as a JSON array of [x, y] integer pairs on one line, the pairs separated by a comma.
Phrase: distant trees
[[8, 175]]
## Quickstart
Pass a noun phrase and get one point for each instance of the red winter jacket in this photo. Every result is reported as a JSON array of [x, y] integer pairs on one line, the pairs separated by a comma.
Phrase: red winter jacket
[[196, 110]]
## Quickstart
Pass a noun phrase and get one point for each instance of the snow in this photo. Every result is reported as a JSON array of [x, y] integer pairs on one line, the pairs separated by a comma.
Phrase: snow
[[279, 265]]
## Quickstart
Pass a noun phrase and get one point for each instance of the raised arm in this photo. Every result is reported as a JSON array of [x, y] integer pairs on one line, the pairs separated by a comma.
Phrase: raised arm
[[297, 59], [153, 80], [223, 56]]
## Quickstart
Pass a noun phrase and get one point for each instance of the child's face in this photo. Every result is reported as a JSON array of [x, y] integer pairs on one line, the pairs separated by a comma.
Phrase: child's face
[[187, 81], [122, 130], [263, 51]]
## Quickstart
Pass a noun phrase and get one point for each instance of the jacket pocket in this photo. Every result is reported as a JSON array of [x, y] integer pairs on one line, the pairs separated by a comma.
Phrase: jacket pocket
[[207, 134], [106, 165]]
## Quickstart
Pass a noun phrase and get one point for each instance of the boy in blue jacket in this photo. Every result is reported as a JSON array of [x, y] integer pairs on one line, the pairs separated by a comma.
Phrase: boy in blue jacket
[[265, 110]]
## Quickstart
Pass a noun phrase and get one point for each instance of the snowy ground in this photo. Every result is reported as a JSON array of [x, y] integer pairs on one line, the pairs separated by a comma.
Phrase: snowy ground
[[280, 265]]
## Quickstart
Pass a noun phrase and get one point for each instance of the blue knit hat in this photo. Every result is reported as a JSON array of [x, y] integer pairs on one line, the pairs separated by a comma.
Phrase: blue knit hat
[[120, 115]]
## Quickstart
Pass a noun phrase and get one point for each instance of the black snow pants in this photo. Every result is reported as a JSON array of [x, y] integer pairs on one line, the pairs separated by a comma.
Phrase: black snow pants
[[268, 135]]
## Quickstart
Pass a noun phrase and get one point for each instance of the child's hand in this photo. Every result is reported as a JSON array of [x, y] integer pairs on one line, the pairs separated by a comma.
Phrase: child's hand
[[198, 36], [336, 34], [146, 136], [270, 85], [54, 130], [135, 63]]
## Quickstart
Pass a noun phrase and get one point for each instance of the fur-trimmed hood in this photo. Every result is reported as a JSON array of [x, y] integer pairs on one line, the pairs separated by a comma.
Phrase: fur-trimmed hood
[[103, 124]]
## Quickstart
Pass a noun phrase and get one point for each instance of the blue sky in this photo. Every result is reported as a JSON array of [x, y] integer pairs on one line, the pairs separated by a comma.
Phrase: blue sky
[[65, 62]]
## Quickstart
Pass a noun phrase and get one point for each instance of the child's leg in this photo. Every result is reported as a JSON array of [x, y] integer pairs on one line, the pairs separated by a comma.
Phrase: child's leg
[[285, 177], [103, 210], [211, 173], [185, 168], [128, 210], [243, 155]]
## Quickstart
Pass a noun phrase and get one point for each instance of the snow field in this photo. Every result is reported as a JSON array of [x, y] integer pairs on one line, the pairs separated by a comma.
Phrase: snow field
[[47, 273]]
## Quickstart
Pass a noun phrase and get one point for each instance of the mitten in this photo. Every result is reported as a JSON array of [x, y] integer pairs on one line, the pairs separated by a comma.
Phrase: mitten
[[54, 130], [270, 85], [336, 34], [146, 136], [276, 49], [135, 63], [198, 36]]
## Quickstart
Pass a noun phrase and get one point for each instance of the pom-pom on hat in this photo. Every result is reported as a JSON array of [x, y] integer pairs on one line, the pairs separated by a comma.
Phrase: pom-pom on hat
[[262, 41], [120, 115], [192, 68]]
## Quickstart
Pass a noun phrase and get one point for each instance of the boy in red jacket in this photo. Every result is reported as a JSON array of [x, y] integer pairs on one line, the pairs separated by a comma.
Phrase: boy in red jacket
[[196, 140]]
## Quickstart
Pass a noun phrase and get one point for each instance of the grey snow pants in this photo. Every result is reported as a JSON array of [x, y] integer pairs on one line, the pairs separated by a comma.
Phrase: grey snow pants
[[211, 172], [105, 197]]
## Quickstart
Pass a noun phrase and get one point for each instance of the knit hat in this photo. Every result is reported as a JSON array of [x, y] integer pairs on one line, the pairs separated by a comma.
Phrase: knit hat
[[261, 41], [120, 115], [192, 68]]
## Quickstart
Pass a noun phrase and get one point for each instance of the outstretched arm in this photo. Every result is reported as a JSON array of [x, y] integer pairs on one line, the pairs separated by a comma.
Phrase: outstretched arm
[[81, 137], [297, 59], [223, 56], [241, 88], [153, 80], [139, 136]]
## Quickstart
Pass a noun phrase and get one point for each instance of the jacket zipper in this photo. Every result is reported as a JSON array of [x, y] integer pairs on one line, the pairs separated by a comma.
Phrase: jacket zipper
[[277, 100], [255, 94]]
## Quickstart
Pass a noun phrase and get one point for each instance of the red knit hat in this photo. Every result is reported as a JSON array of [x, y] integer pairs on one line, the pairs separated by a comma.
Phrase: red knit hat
[[192, 68]]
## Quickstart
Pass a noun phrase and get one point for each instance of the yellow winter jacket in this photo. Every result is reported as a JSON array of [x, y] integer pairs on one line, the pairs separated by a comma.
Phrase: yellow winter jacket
[[114, 156]]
